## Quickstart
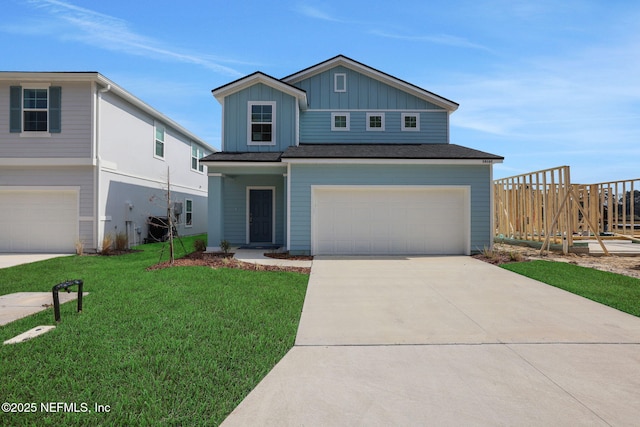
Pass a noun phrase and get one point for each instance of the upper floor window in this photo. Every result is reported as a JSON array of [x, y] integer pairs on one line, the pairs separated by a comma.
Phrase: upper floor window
[[375, 121], [340, 82], [262, 119], [196, 154], [36, 109], [340, 121], [159, 141], [410, 121]]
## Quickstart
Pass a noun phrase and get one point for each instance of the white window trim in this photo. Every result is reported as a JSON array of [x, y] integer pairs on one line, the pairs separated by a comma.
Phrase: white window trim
[[186, 225], [200, 152], [336, 80], [380, 129], [402, 122], [157, 125], [333, 122], [273, 123], [29, 133]]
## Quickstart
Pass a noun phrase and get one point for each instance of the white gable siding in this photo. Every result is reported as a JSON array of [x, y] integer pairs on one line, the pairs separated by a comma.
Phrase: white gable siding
[[133, 181]]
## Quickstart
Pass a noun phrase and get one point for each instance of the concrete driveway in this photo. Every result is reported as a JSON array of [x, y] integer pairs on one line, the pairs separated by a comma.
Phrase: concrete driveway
[[448, 341], [13, 259]]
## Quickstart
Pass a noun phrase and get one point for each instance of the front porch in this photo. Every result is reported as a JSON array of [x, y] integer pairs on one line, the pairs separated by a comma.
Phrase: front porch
[[247, 206]]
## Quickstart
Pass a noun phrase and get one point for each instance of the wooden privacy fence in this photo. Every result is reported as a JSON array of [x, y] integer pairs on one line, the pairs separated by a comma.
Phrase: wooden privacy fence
[[544, 206]]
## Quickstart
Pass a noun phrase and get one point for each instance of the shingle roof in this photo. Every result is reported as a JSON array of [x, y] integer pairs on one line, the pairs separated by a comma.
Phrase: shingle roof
[[359, 151], [222, 156], [385, 151]]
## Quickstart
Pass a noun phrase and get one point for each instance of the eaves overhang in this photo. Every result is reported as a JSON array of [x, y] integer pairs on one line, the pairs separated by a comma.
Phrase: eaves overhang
[[259, 77]]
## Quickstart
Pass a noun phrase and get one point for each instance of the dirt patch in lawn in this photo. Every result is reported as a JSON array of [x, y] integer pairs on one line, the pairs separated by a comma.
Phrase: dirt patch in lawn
[[221, 260], [504, 253]]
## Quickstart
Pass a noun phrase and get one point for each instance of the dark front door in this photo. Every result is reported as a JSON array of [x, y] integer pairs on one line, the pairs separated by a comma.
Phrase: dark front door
[[260, 216]]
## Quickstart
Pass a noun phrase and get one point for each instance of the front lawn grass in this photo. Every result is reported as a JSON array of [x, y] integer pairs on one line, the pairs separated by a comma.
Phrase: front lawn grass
[[615, 290], [177, 346]]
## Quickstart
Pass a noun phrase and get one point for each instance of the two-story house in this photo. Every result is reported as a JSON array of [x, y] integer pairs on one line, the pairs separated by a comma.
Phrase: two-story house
[[341, 158], [82, 159]]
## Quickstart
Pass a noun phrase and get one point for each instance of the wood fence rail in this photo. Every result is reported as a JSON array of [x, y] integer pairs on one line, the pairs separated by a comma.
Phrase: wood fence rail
[[544, 206]]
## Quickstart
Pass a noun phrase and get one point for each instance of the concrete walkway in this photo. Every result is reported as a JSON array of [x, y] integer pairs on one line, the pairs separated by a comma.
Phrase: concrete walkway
[[448, 341], [615, 247], [22, 304], [10, 260], [256, 256]]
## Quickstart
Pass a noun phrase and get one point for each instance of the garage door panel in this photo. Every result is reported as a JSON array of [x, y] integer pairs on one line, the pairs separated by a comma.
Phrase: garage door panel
[[390, 220], [38, 221]]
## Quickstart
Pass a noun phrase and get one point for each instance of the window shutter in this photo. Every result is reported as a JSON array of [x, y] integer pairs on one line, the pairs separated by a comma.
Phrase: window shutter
[[55, 104], [15, 106]]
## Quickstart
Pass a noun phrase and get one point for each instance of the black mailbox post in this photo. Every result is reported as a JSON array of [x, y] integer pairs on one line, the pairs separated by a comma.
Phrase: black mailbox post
[[56, 300]]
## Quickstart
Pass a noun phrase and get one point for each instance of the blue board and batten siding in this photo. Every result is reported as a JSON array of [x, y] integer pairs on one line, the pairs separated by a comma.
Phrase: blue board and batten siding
[[235, 138], [477, 177], [364, 94], [235, 206], [357, 93], [315, 128]]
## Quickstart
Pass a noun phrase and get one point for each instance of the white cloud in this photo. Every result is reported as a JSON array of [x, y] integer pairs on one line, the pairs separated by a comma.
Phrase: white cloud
[[111, 33], [443, 39], [315, 12], [590, 97]]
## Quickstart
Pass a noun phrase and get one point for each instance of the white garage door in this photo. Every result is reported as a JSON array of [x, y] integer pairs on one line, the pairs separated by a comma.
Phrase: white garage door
[[390, 220], [38, 221]]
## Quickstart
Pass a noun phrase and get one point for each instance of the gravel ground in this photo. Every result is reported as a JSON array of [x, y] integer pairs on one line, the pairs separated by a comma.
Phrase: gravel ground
[[625, 265]]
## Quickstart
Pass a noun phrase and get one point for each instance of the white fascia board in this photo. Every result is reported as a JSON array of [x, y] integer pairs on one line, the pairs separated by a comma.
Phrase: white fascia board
[[377, 75], [256, 78], [393, 161], [48, 77], [211, 164]]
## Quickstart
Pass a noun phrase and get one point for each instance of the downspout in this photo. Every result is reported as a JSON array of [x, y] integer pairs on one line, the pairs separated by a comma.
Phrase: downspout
[[492, 208], [98, 166]]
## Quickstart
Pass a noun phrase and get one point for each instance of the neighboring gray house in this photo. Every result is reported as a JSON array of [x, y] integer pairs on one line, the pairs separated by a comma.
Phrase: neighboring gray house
[[341, 158], [81, 158]]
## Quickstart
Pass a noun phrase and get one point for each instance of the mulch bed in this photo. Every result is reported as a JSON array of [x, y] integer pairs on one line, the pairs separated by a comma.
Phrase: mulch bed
[[498, 258], [222, 260], [285, 255]]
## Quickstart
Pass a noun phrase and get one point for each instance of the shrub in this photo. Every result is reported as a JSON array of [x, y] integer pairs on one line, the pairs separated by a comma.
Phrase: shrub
[[79, 247], [489, 253], [122, 241], [225, 246], [107, 242], [199, 245]]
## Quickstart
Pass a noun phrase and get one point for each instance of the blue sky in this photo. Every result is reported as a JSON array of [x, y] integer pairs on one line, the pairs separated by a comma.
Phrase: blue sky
[[543, 83]]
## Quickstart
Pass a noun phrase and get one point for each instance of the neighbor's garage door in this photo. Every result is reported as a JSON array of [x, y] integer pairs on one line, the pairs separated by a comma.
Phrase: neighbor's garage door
[[38, 221], [390, 220]]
